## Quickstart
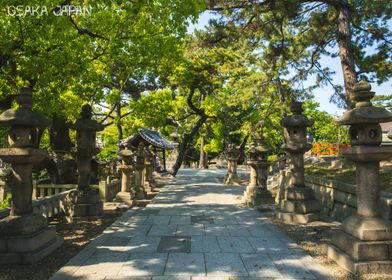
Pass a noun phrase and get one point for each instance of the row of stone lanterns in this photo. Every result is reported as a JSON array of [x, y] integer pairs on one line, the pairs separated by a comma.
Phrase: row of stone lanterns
[[137, 173], [24, 236], [363, 242]]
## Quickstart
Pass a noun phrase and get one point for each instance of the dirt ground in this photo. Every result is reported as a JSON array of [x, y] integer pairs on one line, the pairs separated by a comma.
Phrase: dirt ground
[[313, 238], [76, 237]]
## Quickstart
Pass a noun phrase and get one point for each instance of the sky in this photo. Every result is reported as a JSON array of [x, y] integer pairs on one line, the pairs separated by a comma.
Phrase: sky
[[322, 94]]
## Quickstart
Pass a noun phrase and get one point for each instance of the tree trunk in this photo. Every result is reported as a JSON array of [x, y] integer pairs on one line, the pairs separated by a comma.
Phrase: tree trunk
[[346, 52], [203, 158], [59, 135], [118, 123], [184, 145], [242, 148]]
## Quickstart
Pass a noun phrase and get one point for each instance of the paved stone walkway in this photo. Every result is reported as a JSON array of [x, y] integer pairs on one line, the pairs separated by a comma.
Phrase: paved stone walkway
[[195, 228]]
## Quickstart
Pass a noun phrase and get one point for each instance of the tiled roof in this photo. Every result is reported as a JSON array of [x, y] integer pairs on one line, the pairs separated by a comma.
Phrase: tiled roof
[[149, 137]]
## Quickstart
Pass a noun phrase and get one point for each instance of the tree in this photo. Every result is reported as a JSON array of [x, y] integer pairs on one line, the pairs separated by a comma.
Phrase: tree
[[97, 58], [295, 34]]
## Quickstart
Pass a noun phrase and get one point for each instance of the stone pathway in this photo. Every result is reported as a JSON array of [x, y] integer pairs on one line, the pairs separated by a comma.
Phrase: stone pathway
[[195, 228]]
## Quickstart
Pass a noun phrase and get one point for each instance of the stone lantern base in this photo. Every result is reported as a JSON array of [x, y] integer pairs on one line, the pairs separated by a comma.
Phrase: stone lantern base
[[299, 206], [363, 245], [83, 203], [26, 239], [255, 196], [125, 197], [231, 179]]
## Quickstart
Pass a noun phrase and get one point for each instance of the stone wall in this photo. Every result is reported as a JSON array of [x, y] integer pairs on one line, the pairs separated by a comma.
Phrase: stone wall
[[339, 200]]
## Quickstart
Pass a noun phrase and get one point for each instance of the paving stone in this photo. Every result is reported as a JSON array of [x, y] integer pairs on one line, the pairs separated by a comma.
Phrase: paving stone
[[224, 264], [140, 219], [142, 264], [291, 266], [268, 245], [204, 244], [158, 220], [132, 231], [190, 230], [101, 265], [114, 244], [234, 244], [143, 244], [162, 230], [177, 211], [235, 230], [216, 230], [260, 231], [202, 220], [185, 264], [129, 278], [175, 244], [260, 265], [172, 277], [180, 220], [225, 221], [211, 278]]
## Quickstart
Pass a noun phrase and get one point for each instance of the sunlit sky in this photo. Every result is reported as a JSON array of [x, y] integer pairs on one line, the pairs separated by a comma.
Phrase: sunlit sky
[[323, 94]]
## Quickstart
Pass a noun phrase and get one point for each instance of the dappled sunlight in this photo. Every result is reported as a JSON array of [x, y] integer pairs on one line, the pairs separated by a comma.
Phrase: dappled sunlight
[[193, 229]]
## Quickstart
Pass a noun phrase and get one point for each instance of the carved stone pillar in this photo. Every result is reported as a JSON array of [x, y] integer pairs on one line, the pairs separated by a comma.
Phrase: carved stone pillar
[[24, 236], [126, 195], [138, 186], [149, 182], [363, 242], [299, 205], [257, 193], [85, 201], [232, 156]]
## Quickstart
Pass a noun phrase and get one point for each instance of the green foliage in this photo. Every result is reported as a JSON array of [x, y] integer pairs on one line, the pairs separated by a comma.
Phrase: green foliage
[[4, 203], [324, 130]]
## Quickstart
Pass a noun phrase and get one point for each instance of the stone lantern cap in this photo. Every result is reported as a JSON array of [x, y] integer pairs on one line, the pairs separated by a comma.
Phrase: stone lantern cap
[[85, 123], [296, 119], [258, 145], [364, 112], [23, 116], [174, 135]]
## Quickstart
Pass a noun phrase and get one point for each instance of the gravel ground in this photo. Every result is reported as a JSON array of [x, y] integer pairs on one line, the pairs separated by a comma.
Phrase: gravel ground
[[76, 237]]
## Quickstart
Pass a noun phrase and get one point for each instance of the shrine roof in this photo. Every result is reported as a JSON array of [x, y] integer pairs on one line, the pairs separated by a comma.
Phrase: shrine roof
[[149, 137]]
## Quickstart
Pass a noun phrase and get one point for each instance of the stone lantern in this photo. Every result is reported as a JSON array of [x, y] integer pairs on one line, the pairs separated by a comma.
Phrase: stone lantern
[[363, 242], [24, 236], [232, 156], [149, 182], [126, 195], [299, 205], [256, 193], [138, 186], [85, 201]]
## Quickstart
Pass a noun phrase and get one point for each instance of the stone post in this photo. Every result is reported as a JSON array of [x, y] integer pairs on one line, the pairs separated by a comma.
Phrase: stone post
[[24, 236], [174, 153], [363, 242], [299, 205], [138, 186], [149, 182], [232, 156], [257, 193], [126, 195], [85, 202]]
